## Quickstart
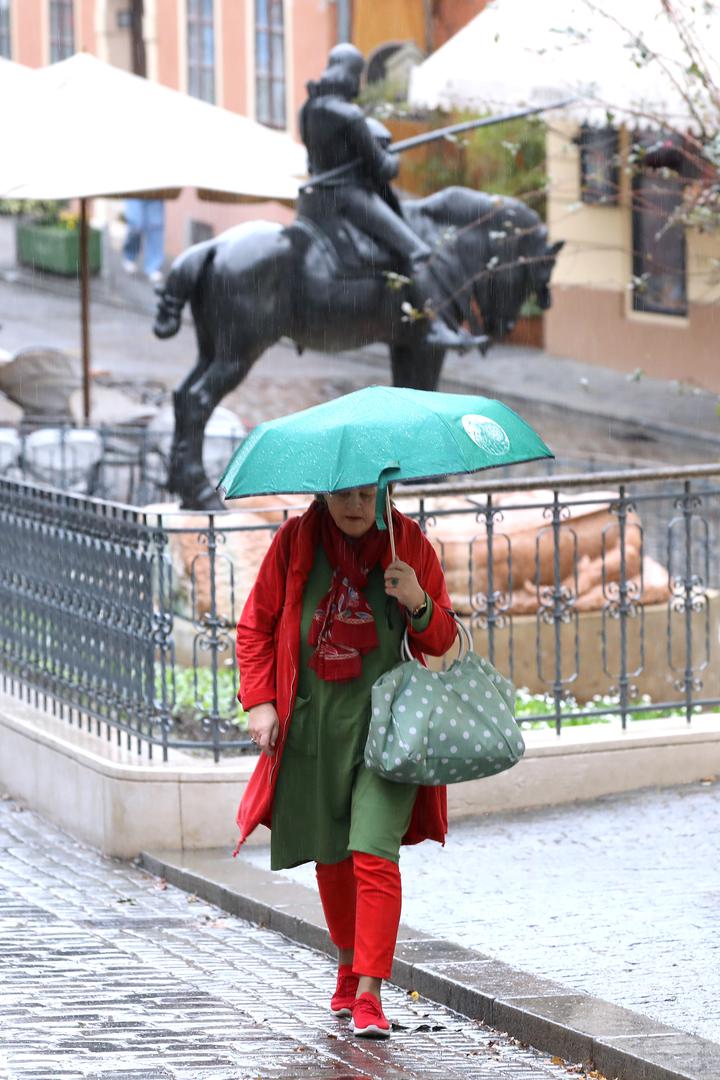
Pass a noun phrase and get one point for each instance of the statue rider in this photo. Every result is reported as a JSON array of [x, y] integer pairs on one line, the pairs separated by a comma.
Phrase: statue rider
[[336, 132]]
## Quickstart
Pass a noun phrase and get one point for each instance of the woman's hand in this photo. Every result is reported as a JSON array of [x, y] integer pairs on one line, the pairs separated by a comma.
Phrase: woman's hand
[[263, 727], [401, 582]]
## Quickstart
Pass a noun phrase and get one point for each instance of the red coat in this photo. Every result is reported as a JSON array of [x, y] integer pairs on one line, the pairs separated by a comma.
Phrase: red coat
[[268, 652]]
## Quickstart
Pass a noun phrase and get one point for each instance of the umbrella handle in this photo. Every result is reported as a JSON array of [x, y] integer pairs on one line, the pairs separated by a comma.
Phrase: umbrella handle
[[382, 501], [391, 531]]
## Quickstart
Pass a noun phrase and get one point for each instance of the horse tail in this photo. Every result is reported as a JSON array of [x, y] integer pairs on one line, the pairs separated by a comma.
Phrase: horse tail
[[183, 277]]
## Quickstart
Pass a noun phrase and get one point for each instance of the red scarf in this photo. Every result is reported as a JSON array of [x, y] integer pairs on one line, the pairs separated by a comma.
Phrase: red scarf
[[343, 627]]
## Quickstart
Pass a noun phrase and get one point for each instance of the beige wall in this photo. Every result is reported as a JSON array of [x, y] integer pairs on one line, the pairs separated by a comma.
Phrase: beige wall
[[592, 317]]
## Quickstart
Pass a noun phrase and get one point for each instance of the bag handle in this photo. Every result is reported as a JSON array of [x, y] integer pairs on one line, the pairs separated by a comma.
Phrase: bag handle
[[466, 644]]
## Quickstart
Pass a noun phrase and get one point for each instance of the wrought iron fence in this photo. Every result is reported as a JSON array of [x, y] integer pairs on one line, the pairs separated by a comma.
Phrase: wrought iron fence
[[122, 620]]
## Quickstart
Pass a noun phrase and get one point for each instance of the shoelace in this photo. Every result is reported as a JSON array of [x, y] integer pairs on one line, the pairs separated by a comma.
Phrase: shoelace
[[372, 1006]]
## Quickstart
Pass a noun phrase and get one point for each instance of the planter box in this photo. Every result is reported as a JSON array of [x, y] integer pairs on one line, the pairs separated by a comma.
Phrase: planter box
[[54, 249], [528, 331]]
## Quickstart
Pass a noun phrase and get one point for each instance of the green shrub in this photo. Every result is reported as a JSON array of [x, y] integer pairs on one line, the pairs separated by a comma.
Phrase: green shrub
[[505, 159]]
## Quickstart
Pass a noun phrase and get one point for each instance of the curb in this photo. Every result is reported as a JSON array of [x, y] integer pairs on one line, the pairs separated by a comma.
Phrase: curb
[[577, 1027]]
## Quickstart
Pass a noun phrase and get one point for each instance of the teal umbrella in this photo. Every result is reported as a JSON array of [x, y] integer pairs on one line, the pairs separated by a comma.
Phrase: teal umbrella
[[376, 436]]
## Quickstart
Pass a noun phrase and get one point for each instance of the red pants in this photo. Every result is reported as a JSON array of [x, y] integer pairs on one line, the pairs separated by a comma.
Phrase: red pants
[[361, 898]]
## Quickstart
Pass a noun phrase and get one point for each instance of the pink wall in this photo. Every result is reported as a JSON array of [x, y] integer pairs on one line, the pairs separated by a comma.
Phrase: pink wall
[[28, 32], [187, 207], [32, 20], [234, 45], [85, 26], [314, 32], [311, 33], [168, 43]]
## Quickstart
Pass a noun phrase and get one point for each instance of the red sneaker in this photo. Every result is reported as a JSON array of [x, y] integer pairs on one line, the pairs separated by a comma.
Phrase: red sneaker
[[344, 997], [368, 1019]]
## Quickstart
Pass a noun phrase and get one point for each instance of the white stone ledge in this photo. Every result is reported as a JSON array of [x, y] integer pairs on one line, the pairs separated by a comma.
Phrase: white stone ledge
[[122, 802], [111, 797], [588, 762]]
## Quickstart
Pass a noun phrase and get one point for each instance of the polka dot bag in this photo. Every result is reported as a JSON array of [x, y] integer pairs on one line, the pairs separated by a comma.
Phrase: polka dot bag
[[441, 727]]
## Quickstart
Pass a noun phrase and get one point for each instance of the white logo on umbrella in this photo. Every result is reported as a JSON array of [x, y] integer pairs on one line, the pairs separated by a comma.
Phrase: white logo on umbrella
[[486, 433]]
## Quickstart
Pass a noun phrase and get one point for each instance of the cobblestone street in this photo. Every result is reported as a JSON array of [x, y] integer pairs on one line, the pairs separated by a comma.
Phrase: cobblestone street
[[108, 973], [617, 897]]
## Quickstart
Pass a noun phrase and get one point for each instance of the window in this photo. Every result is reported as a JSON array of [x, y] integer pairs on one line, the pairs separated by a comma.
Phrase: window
[[200, 231], [5, 47], [270, 63], [599, 165], [659, 271], [62, 35], [201, 49]]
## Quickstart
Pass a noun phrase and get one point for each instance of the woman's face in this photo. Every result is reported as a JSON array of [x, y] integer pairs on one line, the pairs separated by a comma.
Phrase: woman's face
[[353, 511]]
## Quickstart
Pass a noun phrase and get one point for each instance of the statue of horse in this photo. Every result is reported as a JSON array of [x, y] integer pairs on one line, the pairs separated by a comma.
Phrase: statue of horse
[[333, 288]]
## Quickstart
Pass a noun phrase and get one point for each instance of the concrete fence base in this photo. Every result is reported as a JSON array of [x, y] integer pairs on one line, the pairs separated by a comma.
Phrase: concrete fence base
[[121, 802]]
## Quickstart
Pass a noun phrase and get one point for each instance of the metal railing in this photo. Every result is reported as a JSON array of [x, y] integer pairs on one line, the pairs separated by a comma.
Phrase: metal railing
[[123, 621]]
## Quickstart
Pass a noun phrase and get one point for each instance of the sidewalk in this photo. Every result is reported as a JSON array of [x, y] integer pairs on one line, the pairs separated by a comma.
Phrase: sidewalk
[[587, 930], [110, 973], [615, 898]]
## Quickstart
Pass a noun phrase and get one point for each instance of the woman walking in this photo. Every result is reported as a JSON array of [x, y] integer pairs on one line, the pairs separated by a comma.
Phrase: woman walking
[[325, 619]]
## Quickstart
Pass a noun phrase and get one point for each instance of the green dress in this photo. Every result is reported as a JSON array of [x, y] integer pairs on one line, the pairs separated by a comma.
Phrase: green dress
[[326, 802]]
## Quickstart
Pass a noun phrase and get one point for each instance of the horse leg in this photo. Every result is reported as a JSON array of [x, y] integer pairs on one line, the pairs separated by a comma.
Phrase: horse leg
[[198, 401], [417, 366], [183, 455]]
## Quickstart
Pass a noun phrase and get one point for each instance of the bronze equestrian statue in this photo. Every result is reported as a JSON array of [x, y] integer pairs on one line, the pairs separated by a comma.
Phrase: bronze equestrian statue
[[356, 266]]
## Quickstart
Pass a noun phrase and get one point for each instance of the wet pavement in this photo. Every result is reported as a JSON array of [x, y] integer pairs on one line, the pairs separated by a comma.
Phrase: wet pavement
[[110, 973], [617, 898]]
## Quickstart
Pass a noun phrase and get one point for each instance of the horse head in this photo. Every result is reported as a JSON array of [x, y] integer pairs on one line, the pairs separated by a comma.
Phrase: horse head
[[506, 255]]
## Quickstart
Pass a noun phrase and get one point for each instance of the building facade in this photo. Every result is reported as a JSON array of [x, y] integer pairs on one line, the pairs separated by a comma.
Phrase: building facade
[[631, 290], [251, 56]]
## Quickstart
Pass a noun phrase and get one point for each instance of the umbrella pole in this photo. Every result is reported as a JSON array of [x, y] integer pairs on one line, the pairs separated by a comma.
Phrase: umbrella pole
[[85, 308], [388, 507]]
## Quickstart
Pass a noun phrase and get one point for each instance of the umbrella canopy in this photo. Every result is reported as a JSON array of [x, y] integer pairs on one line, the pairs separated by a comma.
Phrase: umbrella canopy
[[516, 53], [376, 436], [82, 128]]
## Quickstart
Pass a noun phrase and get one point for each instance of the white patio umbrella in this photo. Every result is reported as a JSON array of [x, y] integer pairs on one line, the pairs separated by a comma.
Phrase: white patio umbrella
[[89, 129], [82, 129], [14, 78], [520, 53]]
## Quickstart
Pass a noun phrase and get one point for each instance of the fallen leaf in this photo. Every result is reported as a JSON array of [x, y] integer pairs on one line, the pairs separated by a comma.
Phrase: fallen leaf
[[126, 900], [192, 899], [558, 1060], [161, 883], [414, 995]]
